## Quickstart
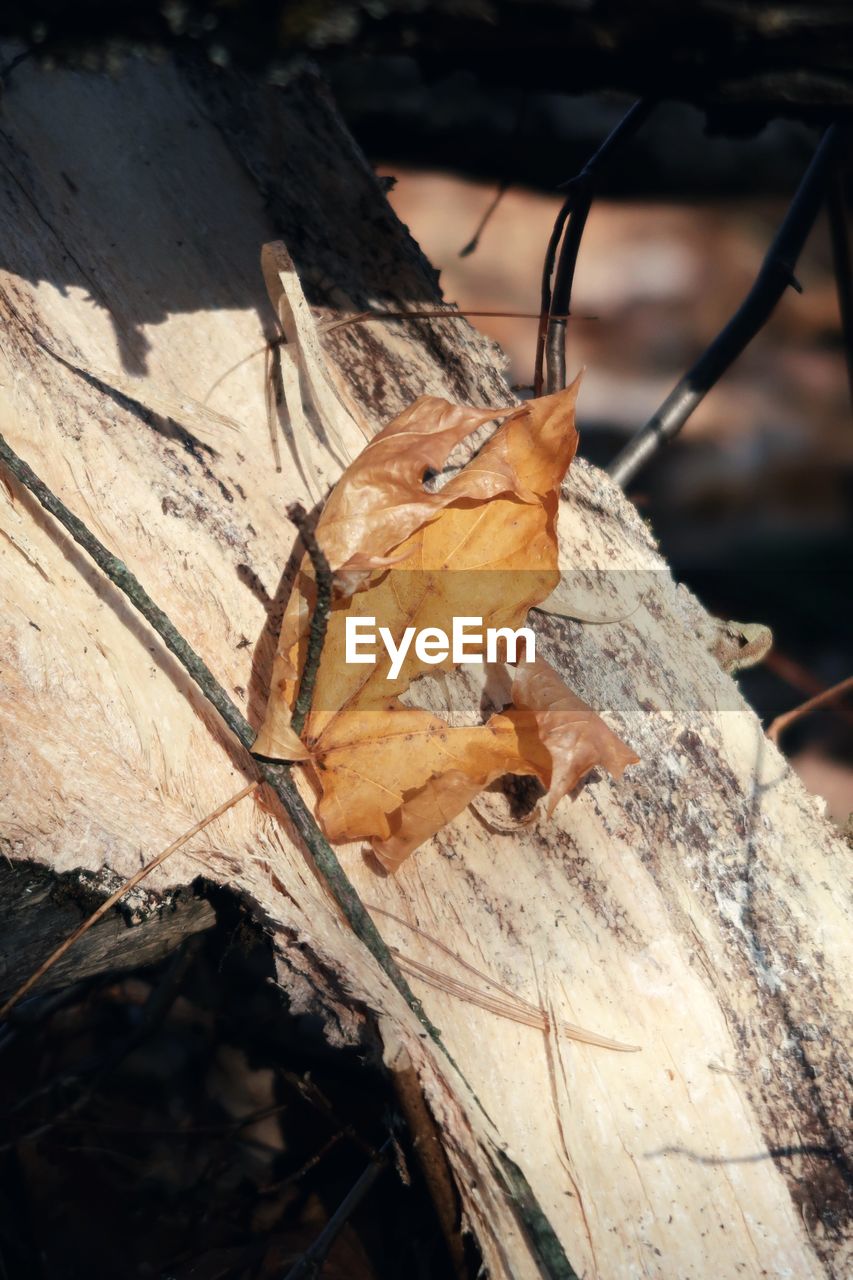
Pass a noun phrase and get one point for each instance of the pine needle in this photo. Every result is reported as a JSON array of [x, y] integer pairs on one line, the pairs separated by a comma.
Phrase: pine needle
[[511, 1006], [110, 902]]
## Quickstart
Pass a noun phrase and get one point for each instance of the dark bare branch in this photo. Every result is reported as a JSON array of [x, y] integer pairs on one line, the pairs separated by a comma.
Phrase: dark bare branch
[[312, 1259], [576, 207], [842, 257], [776, 274]]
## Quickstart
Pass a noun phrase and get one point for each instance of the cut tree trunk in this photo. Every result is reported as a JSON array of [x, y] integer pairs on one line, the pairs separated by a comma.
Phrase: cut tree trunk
[[694, 908]]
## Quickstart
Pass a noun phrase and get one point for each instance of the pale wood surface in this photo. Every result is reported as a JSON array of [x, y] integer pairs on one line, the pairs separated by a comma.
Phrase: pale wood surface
[[694, 908]]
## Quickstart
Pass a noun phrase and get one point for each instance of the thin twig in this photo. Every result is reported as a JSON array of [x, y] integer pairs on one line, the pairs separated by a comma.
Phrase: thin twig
[[311, 1093], [506, 181], [309, 1263], [473, 244], [781, 723], [311, 1163], [775, 276], [434, 313], [842, 258], [557, 305], [319, 618], [555, 339], [111, 901], [545, 295], [801, 679]]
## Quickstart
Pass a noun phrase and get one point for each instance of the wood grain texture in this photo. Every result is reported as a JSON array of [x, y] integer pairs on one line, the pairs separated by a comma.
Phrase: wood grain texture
[[696, 907]]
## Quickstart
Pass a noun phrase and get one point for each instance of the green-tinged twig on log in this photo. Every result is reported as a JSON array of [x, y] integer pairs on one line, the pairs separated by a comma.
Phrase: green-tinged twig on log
[[542, 1237], [278, 776], [319, 618]]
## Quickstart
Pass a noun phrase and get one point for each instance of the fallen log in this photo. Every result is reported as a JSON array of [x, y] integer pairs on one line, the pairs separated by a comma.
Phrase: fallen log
[[694, 908]]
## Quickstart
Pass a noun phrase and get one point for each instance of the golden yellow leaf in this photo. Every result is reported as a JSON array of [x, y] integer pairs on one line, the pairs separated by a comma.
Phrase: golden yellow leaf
[[395, 774]]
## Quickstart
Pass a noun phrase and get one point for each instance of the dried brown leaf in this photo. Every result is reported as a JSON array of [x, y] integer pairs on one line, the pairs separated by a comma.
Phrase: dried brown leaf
[[550, 718], [484, 546], [380, 499]]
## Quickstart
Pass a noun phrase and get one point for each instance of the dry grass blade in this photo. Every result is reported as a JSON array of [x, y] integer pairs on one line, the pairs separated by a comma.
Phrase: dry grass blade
[[110, 902], [437, 313], [781, 723], [512, 1006]]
